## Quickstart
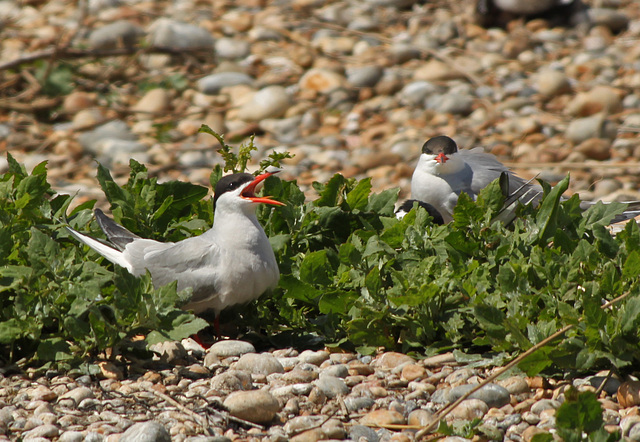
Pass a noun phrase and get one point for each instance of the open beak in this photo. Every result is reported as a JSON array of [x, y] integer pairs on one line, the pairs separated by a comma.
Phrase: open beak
[[249, 191], [441, 158]]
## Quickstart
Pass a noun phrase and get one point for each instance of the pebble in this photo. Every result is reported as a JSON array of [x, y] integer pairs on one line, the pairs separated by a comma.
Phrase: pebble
[[119, 33], [212, 84], [321, 80], [146, 432], [154, 101], [270, 102], [229, 348], [169, 33], [383, 417], [491, 394], [628, 394], [259, 363], [331, 386], [255, 406]]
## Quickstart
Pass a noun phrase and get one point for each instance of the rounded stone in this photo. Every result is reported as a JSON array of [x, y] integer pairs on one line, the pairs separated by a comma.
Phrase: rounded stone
[[470, 409], [169, 33], [259, 363], [270, 102], [119, 33], [211, 84], [146, 432], [321, 80], [331, 386], [383, 417], [256, 406], [229, 348], [493, 395]]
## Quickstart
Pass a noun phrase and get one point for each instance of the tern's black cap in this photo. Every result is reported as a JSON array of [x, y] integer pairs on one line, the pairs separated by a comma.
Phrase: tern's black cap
[[231, 182], [440, 144]]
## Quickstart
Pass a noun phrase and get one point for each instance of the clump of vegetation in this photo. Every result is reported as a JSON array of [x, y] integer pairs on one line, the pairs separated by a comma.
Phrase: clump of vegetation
[[352, 274]]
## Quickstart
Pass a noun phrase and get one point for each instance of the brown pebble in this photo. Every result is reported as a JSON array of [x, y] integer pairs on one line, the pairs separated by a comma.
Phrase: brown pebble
[[411, 372], [629, 394], [382, 417]]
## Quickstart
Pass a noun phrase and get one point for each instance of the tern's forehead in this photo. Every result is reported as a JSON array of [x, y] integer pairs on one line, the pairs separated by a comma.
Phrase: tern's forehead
[[232, 182], [440, 144]]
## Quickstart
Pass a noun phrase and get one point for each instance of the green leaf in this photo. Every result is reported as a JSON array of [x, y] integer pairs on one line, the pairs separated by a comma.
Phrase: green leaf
[[315, 268], [583, 414], [10, 330], [54, 349], [546, 218], [358, 198]]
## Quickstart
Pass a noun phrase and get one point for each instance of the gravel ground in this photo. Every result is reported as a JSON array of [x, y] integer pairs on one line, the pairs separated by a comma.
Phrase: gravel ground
[[354, 87]]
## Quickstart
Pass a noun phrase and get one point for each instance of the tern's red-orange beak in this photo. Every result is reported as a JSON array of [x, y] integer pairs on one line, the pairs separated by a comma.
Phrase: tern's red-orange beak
[[441, 158], [249, 191]]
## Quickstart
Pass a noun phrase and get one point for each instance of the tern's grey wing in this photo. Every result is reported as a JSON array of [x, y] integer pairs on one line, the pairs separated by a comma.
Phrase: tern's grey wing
[[171, 261], [486, 168], [118, 235]]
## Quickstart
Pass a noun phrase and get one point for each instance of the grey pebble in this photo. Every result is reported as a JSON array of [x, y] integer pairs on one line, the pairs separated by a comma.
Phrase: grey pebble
[[146, 432], [365, 76], [338, 370], [314, 357], [173, 34], [493, 395], [416, 92], [451, 103], [358, 403], [544, 404], [357, 432], [211, 84], [227, 348], [595, 126], [285, 130], [121, 32], [614, 20], [116, 129], [331, 386]]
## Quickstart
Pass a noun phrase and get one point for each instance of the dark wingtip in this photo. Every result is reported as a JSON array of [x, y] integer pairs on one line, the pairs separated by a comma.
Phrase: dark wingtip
[[116, 234]]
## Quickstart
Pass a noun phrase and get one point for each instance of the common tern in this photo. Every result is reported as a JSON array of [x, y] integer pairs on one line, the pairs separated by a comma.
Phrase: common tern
[[231, 263], [443, 172]]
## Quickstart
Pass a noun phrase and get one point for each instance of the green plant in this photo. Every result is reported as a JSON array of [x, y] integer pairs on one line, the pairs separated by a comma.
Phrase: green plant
[[579, 418]]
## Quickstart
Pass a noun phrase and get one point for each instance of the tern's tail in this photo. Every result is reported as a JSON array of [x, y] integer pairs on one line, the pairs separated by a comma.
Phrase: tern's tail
[[113, 255], [117, 234]]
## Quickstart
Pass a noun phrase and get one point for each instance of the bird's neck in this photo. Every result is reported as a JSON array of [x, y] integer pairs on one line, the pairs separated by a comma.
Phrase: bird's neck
[[236, 229]]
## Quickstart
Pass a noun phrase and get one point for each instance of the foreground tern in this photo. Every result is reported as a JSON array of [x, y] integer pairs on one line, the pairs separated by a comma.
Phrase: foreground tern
[[443, 172], [231, 263]]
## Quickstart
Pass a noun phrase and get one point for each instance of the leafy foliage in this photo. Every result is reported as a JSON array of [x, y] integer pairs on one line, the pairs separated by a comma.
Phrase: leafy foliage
[[351, 273], [579, 418]]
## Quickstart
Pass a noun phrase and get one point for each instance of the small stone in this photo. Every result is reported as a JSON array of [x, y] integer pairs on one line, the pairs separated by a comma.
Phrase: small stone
[[169, 33], [121, 33], [493, 395], [595, 126], [420, 417], [45, 431], [270, 102], [231, 48], [629, 394], [76, 395], [595, 149], [411, 372], [552, 83], [77, 101], [365, 76], [338, 370], [321, 80], [301, 424], [332, 386], [259, 363], [155, 101], [146, 432], [42, 393], [515, 385], [382, 418], [362, 432], [314, 357], [390, 360], [470, 409], [225, 349], [71, 436], [544, 404], [434, 70], [110, 370], [231, 380], [211, 84], [256, 406]]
